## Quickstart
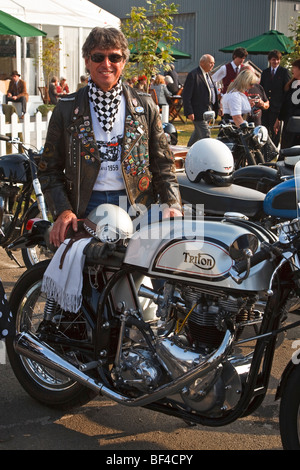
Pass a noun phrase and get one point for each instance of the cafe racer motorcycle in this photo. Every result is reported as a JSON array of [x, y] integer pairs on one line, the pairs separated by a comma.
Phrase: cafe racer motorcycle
[[180, 347]]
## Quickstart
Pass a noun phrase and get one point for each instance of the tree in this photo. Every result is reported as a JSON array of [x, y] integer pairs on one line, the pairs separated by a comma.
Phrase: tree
[[294, 27], [144, 30], [49, 58]]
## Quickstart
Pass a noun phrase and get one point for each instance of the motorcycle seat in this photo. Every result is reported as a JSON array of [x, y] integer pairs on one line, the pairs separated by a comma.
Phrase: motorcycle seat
[[259, 177], [217, 200]]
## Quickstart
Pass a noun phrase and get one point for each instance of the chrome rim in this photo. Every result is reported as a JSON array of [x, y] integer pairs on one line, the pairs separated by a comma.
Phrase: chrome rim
[[29, 316]]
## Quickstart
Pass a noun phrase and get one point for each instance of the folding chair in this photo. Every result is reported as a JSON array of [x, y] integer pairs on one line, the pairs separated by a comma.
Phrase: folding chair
[[176, 104]]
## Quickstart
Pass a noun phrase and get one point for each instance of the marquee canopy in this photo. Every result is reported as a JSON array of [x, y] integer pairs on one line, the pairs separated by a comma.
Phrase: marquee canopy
[[77, 13], [9, 25]]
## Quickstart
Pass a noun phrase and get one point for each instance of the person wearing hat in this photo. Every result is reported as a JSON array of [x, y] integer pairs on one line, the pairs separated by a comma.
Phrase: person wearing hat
[[17, 91]]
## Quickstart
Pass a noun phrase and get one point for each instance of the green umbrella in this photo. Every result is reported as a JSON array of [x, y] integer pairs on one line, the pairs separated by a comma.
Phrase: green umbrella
[[9, 25], [176, 54], [264, 43]]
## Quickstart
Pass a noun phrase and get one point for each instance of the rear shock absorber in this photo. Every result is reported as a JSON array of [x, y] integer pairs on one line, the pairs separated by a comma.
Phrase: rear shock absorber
[[49, 309]]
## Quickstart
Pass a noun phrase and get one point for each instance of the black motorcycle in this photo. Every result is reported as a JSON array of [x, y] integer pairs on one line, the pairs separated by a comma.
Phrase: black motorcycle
[[21, 199], [265, 177], [249, 144]]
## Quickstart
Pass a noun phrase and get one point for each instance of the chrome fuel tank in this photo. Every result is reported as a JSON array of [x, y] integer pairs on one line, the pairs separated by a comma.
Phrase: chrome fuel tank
[[196, 250]]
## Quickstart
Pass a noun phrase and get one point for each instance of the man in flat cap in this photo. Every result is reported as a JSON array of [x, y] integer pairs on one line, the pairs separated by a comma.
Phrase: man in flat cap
[[17, 91]]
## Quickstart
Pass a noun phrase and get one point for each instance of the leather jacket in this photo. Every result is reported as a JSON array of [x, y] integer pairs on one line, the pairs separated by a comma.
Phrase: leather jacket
[[71, 161]]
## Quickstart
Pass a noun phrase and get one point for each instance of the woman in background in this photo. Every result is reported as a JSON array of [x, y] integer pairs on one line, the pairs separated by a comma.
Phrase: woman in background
[[161, 90], [235, 103]]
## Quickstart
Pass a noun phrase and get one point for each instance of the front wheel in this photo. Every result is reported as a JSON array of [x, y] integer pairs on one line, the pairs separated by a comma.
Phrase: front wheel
[[242, 158], [289, 416], [27, 305], [258, 157]]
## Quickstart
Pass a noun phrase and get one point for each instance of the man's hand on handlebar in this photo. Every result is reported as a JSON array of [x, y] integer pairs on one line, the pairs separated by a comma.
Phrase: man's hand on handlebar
[[57, 234]]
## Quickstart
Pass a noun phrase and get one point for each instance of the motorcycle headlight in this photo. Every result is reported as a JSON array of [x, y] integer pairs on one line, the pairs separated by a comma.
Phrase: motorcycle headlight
[[260, 135]]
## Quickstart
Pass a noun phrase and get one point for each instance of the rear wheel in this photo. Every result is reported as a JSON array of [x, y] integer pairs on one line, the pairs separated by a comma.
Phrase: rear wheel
[[289, 417], [27, 305]]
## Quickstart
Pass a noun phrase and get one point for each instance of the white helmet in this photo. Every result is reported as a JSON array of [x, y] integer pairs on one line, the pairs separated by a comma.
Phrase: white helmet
[[291, 161], [109, 223], [211, 160]]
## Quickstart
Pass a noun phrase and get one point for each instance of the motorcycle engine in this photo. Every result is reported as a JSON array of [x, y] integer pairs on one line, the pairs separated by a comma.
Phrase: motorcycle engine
[[201, 319]]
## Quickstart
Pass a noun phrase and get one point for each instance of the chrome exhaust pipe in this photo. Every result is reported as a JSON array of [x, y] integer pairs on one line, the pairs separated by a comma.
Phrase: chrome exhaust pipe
[[28, 345], [180, 382]]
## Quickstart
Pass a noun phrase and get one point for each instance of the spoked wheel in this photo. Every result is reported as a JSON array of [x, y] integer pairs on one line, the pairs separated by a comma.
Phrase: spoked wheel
[[289, 417], [27, 305], [242, 159]]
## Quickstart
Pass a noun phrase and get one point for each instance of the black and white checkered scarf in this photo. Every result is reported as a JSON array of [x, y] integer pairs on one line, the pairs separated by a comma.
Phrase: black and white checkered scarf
[[105, 104]]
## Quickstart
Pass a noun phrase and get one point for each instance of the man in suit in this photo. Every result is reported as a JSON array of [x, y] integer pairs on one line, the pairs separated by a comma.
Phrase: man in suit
[[200, 95], [17, 91], [273, 80]]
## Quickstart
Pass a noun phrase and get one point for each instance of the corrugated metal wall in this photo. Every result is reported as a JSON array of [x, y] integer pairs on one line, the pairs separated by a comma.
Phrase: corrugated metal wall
[[209, 25]]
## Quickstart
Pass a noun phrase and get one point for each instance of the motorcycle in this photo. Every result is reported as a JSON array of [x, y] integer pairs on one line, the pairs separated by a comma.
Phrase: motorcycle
[[177, 348], [265, 177], [249, 144], [209, 183], [18, 183], [245, 142]]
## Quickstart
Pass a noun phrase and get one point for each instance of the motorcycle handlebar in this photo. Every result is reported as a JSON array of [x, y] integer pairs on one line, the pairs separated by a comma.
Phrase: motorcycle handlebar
[[25, 147], [257, 258], [4, 137]]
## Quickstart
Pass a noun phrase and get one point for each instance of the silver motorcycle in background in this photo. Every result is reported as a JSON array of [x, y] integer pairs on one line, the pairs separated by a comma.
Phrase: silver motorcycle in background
[[199, 346]]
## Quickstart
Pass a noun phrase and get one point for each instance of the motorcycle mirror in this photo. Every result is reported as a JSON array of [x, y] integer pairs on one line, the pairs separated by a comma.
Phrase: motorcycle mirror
[[209, 116], [241, 246], [297, 186]]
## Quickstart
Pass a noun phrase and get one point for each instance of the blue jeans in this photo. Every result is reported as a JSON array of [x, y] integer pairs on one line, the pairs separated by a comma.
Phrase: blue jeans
[[105, 197], [112, 197]]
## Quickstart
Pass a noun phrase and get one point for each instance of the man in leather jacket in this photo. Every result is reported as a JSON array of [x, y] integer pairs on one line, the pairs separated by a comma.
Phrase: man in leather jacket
[[105, 138]]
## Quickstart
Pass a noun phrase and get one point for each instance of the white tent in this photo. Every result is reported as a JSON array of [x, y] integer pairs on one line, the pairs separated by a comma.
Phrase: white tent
[[76, 13], [70, 22]]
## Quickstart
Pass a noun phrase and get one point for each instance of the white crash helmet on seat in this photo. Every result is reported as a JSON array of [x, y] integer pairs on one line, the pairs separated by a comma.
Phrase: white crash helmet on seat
[[211, 160], [109, 223]]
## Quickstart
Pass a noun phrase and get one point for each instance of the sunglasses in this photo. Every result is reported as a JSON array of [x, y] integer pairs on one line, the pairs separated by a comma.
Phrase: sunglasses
[[113, 58]]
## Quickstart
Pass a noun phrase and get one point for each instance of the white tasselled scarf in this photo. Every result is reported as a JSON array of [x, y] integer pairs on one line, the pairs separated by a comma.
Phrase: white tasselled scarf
[[105, 104], [64, 285]]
